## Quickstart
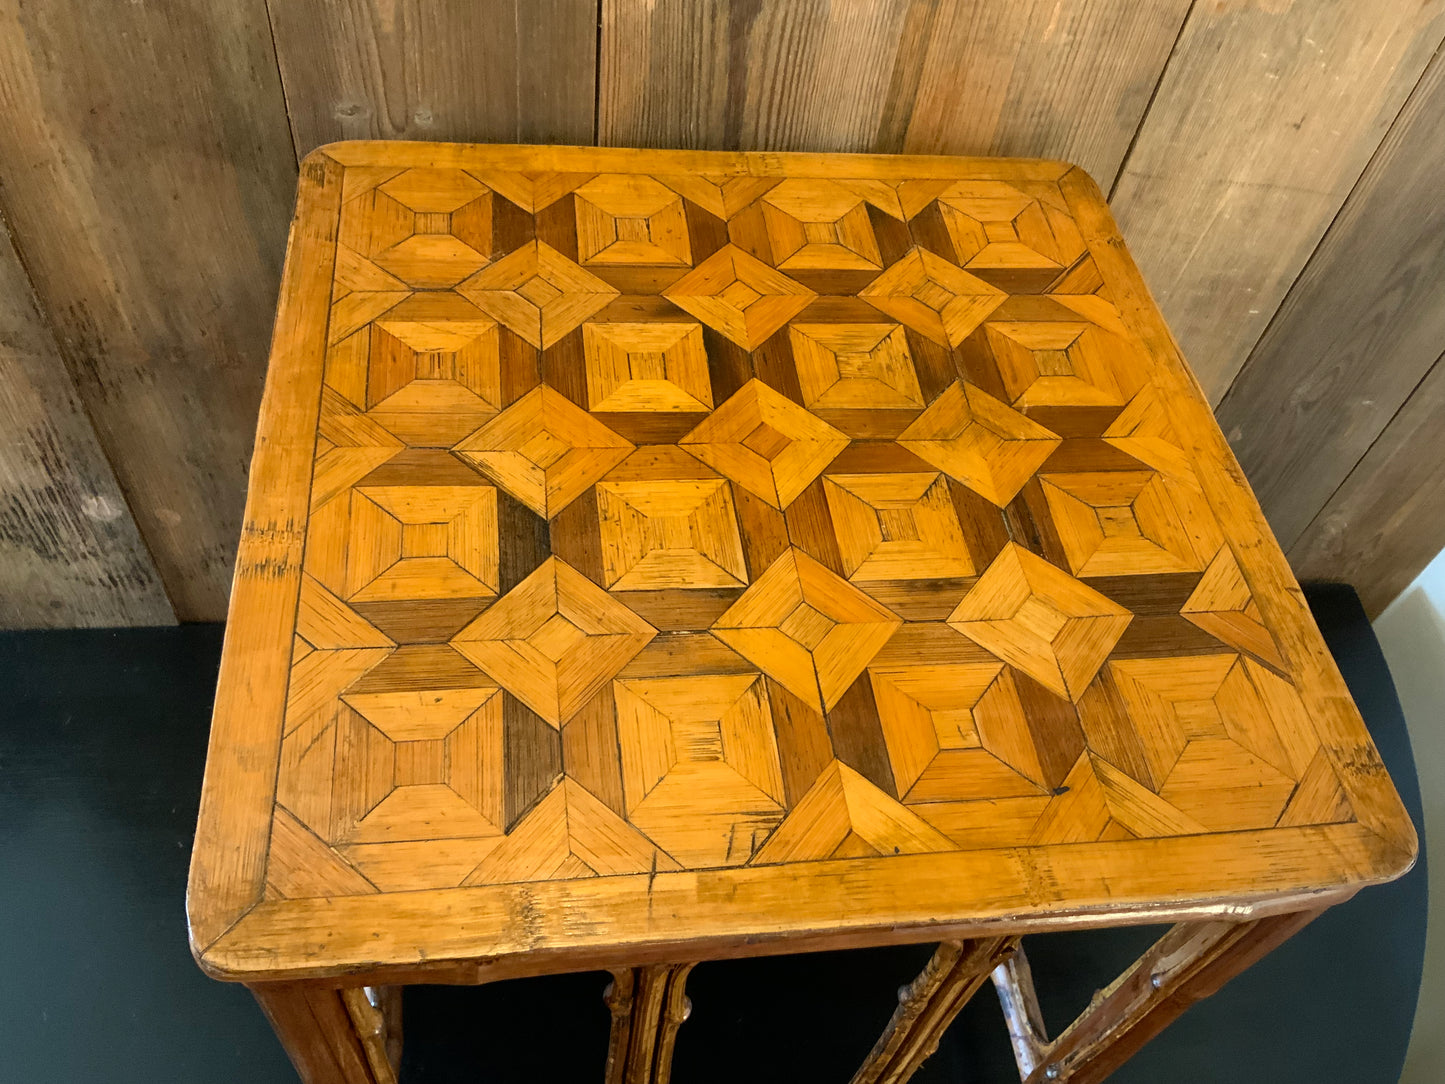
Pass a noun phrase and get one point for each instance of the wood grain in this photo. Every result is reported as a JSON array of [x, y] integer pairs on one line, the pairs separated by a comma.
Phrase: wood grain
[[928, 1004], [229, 859], [1222, 227], [1360, 328], [70, 554], [315, 1026], [804, 76], [787, 657], [147, 180], [1054, 80], [1322, 693], [1384, 524], [496, 70]]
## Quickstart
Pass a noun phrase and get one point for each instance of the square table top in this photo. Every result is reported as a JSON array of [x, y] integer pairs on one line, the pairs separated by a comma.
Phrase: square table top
[[667, 554]]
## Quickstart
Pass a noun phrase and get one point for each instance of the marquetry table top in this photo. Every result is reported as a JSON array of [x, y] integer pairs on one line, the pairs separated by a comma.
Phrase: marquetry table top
[[658, 552]]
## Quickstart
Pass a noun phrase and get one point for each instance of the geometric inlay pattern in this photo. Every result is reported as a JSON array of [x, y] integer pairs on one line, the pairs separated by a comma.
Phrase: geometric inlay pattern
[[652, 366], [818, 223], [538, 293], [669, 533], [554, 640], [1055, 363], [1037, 617], [956, 732], [897, 526], [693, 521], [1120, 523], [985, 444], [630, 219], [544, 451], [740, 296], [806, 627], [700, 765], [933, 296], [994, 225], [766, 443], [864, 366], [409, 542]]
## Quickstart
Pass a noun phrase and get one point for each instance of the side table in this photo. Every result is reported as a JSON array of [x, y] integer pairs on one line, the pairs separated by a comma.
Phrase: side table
[[656, 557]]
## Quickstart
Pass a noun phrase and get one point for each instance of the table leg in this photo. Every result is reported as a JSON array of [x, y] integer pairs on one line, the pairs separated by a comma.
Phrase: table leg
[[315, 1026], [928, 1004], [1189, 963], [376, 1015], [648, 1006]]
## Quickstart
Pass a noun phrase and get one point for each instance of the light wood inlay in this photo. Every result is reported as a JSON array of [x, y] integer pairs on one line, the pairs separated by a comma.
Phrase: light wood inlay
[[652, 556]]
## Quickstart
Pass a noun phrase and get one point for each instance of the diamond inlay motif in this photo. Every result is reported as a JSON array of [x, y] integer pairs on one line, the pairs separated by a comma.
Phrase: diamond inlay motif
[[1058, 363], [985, 444], [1040, 619], [815, 223], [538, 293], [766, 443], [631, 219], [818, 508], [436, 757], [807, 627], [1223, 606], [544, 451], [434, 370], [554, 640], [933, 297], [408, 542], [1120, 523], [995, 225], [739, 296]]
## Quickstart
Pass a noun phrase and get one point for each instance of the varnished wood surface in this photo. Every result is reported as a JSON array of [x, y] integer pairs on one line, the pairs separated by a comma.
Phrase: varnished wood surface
[[912, 586]]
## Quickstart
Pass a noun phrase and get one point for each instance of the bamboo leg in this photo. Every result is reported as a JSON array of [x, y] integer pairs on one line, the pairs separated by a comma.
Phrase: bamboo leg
[[928, 1005], [315, 1026], [376, 1015], [1186, 965], [648, 1006]]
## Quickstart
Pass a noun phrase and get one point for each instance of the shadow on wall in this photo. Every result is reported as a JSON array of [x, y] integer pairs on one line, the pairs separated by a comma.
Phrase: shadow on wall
[[1412, 635]]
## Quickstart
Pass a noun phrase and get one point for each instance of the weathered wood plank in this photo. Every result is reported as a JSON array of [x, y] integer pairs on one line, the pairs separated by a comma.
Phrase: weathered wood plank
[[1265, 118], [459, 70], [1066, 80], [722, 74], [147, 176], [1386, 522], [1358, 331], [1041, 78], [70, 553]]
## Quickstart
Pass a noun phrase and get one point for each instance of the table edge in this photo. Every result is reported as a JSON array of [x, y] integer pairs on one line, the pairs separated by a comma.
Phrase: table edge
[[227, 875]]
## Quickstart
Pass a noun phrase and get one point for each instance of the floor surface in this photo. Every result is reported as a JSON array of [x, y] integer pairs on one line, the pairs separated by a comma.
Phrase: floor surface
[[102, 742]]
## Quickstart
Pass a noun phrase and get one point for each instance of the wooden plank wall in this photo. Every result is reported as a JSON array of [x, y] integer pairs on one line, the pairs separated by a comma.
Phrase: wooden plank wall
[[1274, 165]]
